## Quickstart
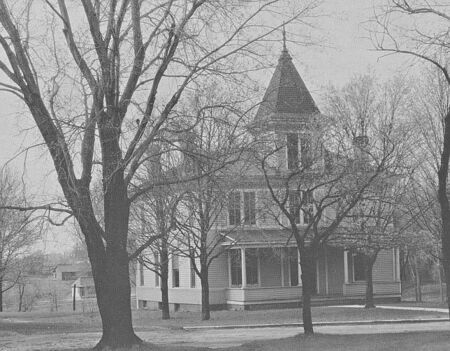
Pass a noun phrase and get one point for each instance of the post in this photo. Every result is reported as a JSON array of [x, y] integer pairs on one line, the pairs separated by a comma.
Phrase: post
[[282, 259], [243, 268], [73, 297], [345, 266]]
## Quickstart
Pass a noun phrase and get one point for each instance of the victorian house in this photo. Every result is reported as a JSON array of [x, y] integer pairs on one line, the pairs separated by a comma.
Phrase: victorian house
[[259, 266]]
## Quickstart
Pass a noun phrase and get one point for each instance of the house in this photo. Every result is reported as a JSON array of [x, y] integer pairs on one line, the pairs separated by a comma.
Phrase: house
[[259, 266], [71, 271], [83, 288]]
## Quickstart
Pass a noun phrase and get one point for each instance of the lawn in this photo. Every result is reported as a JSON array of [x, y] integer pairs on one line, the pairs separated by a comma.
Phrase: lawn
[[65, 322], [429, 341], [60, 322]]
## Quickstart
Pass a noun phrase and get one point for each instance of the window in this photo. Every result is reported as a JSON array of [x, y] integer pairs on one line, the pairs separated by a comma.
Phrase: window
[[292, 150], [235, 267], [141, 273], [359, 267], [251, 266], [157, 269], [293, 266], [249, 208], [305, 152], [308, 207], [175, 272], [193, 274], [234, 208], [294, 206]]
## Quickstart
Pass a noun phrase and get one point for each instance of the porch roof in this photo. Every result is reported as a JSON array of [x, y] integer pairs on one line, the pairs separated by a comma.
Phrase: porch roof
[[259, 237]]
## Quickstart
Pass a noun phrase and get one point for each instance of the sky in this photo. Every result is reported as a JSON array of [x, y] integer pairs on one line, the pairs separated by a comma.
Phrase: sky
[[341, 50]]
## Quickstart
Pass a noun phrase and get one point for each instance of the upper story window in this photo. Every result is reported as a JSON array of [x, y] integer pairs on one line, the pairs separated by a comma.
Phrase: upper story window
[[292, 150], [301, 207], [234, 208], [294, 206], [249, 208], [308, 207]]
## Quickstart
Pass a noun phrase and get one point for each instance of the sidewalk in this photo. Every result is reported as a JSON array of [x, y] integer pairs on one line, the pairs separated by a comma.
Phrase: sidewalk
[[339, 323]]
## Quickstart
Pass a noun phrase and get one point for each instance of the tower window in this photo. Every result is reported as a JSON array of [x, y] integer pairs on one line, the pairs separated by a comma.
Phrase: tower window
[[292, 150]]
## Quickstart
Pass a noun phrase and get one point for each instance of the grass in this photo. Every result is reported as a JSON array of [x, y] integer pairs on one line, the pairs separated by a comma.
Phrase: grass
[[430, 341]]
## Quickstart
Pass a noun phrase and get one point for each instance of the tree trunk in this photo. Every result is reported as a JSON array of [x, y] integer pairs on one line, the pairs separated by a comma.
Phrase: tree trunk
[[369, 282], [444, 203], [204, 279], [418, 283], [165, 283], [21, 288], [307, 264], [110, 264], [441, 284], [1, 294]]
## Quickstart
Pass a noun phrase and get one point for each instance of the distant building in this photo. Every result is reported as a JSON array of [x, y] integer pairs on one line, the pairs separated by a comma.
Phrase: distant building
[[67, 271], [83, 288]]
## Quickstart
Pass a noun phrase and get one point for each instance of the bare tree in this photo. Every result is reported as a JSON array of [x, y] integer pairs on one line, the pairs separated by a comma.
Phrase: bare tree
[[122, 61], [216, 154], [18, 232], [419, 29]]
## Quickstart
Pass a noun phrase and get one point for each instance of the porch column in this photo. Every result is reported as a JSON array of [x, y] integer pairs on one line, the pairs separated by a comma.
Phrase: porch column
[[282, 259], [300, 283], [229, 268], [243, 268], [345, 266], [397, 265]]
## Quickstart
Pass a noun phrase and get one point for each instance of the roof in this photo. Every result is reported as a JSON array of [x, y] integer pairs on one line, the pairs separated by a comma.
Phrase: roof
[[287, 95], [73, 267], [258, 236]]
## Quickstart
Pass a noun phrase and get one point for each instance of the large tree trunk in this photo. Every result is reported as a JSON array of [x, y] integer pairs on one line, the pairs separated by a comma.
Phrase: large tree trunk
[[417, 280], [1, 294], [307, 264], [204, 279], [165, 283], [444, 204], [110, 263], [369, 281]]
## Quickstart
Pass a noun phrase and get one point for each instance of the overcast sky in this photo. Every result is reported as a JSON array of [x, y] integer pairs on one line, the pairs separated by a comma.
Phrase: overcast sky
[[346, 51]]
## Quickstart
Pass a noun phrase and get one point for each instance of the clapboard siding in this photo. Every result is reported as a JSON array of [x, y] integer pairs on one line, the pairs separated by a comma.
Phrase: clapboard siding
[[379, 288], [185, 272], [263, 294], [335, 262], [218, 271], [383, 269]]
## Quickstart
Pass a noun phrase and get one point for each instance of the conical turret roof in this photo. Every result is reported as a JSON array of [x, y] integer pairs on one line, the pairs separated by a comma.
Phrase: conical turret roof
[[287, 96]]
